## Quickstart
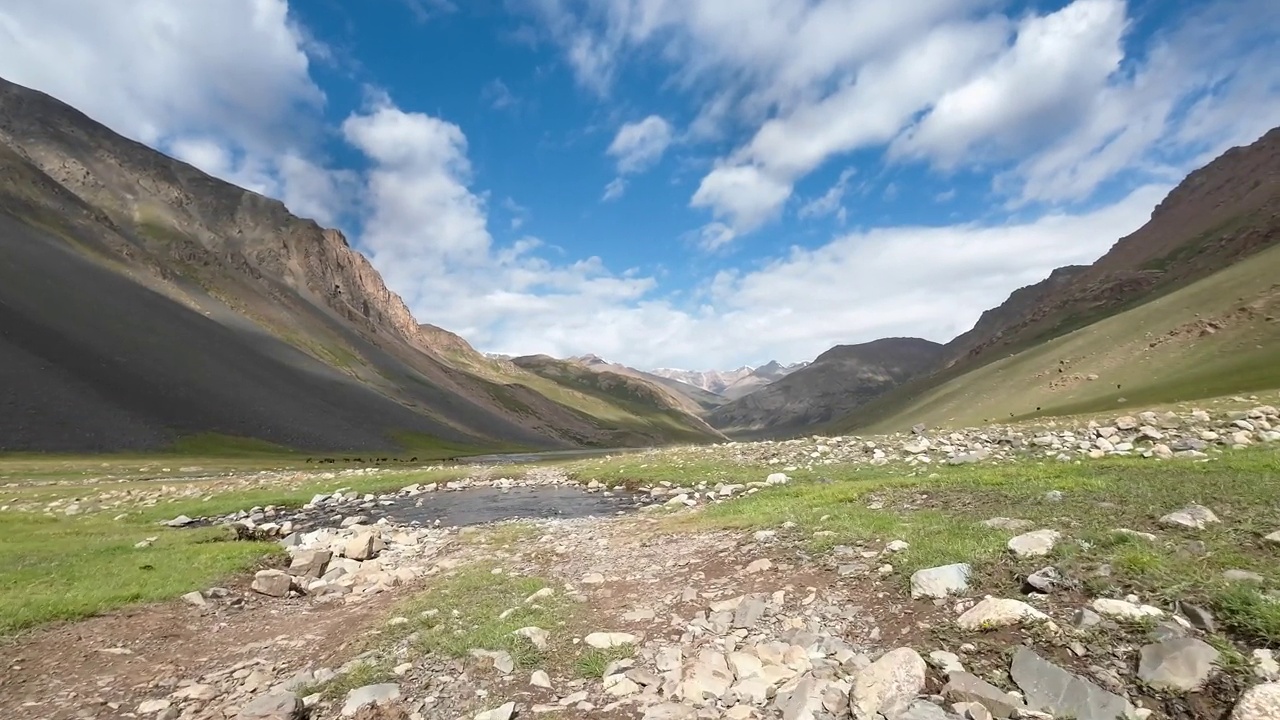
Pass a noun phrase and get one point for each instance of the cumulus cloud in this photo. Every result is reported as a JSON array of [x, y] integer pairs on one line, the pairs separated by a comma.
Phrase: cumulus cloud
[[1056, 103], [636, 147]]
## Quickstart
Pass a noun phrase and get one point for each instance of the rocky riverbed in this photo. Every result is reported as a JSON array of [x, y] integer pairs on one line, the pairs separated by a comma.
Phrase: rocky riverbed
[[684, 623]]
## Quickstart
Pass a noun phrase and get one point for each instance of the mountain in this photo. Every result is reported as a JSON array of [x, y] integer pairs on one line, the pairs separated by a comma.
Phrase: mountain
[[1183, 308], [691, 398], [144, 301], [835, 383], [645, 403], [766, 374], [713, 381]]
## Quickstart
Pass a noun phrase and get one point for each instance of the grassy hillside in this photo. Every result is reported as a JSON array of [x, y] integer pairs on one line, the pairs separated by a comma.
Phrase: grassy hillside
[[627, 402], [1217, 336]]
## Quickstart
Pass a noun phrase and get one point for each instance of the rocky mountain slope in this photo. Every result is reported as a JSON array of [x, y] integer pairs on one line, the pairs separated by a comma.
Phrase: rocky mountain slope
[[145, 300], [713, 381], [1184, 307], [1220, 214], [835, 383], [766, 374], [644, 404], [691, 399]]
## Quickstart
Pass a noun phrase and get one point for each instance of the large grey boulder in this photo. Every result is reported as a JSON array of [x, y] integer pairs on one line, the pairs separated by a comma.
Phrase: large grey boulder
[[274, 583], [965, 687], [310, 563], [1049, 688], [369, 695], [1037, 543], [1260, 702], [273, 706], [1180, 665], [888, 685], [938, 582]]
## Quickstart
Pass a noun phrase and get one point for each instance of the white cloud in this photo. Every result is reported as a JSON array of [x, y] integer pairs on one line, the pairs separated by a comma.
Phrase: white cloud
[[614, 189], [1055, 103], [498, 95], [829, 203], [638, 145], [1043, 84], [154, 69], [929, 282]]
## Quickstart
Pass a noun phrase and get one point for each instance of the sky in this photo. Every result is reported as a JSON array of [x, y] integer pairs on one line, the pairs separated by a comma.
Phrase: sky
[[681, 183]]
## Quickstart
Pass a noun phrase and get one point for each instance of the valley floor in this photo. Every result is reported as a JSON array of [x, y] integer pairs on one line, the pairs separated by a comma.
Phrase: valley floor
[[1072, 569]]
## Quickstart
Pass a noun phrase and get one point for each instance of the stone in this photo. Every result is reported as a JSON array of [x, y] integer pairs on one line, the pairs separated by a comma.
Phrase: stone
[[745, 665], [758, 566], [994, 612], [1273, 538], [1198, 617], [501, 659], [605, 640], [361, 547], [310, 563], [540, 678], [1046, 580], [620, 686], [707, 678], [1085, 618], [924, 710], [195, 692], [1242, 576], [274, 583], [897, 546], [1265, 665], [941, 581], [195, 598], [593, 579], [535, 635], [964, 687], [670, 711], [1034, 544], [754, 690], [502, 712], [947, 662], [888, 685], [1010, 524], [1260, 702], [369, 695], [749, 611], [273, 706], [1049, 688], [1193, 517], [180, 521], [777, 479], [1125, 610], [151, 707], [1180, 665]]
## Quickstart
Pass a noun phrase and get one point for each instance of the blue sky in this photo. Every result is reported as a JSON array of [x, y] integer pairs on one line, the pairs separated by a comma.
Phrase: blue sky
[[693, 183]]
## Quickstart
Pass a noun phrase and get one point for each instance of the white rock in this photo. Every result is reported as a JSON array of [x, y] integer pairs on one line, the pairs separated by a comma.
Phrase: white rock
[[998, 612], [502, 712], [151, 707], [1265, 665], [938, 582], [540, 678], [1034, 544], [888, 685], [1195, 517], [603, 640], [535, 635], [1260, 702], [1125, 610], [369, 695]]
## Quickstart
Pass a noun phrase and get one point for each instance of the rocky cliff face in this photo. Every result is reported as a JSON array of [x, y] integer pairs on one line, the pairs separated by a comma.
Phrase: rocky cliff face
[[292, 303], [834, 384], [1221, 213]]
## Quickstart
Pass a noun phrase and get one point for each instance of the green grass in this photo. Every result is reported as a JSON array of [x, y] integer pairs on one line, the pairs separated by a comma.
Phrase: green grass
[[592, 662], [68, 568], [464, 612], [940, 517]]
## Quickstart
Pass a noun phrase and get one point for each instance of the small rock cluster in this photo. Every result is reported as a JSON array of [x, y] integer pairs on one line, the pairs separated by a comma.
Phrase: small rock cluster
[[1159, 435]]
